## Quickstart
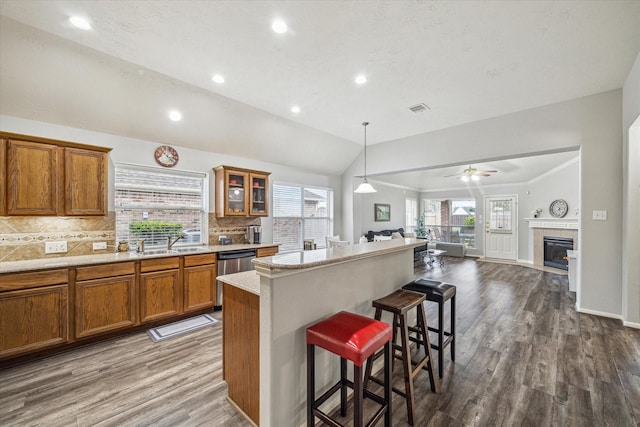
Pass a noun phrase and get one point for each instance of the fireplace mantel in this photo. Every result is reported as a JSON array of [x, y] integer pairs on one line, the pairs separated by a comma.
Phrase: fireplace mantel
[[569, 223]]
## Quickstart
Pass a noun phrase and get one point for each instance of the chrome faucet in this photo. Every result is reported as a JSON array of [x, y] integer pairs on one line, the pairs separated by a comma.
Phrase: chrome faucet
[[170, 243]]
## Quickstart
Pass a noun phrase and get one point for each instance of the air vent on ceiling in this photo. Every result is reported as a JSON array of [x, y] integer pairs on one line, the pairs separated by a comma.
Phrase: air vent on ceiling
[[419, 108]]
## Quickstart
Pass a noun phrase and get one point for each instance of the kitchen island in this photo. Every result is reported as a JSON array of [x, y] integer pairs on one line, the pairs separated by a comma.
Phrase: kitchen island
[[294, 291]]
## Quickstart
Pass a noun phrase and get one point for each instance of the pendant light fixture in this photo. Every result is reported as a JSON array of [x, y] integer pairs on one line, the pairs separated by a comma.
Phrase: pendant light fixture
[[365, 187]]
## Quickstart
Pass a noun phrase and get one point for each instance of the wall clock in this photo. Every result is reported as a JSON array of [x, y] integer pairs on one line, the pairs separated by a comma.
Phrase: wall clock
[[558, 208], [166, 156]]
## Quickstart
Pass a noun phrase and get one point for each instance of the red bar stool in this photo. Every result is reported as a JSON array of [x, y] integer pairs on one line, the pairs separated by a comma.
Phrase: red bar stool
[[354, 338]]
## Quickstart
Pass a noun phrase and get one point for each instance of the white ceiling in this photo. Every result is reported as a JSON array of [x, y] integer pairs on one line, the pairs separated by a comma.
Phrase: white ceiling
[[466, 60]]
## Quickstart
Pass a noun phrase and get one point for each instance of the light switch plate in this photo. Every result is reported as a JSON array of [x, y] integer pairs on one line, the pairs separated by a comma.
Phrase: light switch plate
[[55, 247], [599, 215]]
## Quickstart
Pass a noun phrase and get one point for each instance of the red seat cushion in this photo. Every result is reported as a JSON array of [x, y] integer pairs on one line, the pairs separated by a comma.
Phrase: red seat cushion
[[351, 336]]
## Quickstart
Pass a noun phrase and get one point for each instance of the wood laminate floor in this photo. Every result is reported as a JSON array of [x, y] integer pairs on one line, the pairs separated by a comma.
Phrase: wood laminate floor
[[523, 357]]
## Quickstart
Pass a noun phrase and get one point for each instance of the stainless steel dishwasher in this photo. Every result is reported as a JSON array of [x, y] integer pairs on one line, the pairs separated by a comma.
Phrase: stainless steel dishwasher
[[232, 262]]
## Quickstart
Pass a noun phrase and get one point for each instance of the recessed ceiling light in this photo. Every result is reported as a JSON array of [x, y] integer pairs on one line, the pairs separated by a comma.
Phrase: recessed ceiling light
[[80, 22], [361, 79], [279, 26], [295, 109], [175, 116], [218, 78]]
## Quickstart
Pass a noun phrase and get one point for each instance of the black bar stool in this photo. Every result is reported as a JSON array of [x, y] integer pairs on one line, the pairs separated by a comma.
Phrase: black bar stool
[[355, 338], [400, 303], [440, 293]]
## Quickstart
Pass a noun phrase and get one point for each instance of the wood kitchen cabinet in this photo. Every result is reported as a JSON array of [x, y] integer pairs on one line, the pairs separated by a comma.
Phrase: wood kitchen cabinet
[[105, 298], [85, 182], [199, 282], [241, 192], [160, 288], [270, 251], [44, 177], [33, 172], [33, 311]]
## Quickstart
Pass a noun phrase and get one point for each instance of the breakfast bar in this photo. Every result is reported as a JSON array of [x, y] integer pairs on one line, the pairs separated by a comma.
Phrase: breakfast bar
[[293, 291]]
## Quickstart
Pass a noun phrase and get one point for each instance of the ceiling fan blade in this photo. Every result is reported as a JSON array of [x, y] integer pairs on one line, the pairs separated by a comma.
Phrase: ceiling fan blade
[[449, 176], [491, 171], [482, 174]]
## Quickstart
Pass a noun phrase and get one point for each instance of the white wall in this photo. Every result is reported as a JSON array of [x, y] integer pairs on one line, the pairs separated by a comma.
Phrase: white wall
[[591, 124], [386, 195], [137, 151], [631, 218]]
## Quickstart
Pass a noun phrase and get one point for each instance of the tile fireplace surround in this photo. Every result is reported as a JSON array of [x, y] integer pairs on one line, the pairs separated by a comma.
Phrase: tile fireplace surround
[[550, 227]]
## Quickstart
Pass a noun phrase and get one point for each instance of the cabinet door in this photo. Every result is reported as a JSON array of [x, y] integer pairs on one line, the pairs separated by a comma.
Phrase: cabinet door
[[259, 197], [160, 295], [3, 177], [199, 287], [104, 305], [32, 174], [236, 201], [33, 319], [85, 182]]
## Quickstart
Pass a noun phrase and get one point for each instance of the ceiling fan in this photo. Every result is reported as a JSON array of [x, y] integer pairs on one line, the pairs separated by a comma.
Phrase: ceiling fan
[[472, 174]]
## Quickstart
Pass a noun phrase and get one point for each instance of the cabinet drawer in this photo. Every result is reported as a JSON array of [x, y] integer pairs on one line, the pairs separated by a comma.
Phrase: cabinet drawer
[[266, 251], [15, 281], [159, 264], [202, 259], [105, 270]]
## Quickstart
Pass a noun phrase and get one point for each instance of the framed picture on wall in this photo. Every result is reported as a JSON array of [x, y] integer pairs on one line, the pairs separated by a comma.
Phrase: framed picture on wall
[[382, 212]]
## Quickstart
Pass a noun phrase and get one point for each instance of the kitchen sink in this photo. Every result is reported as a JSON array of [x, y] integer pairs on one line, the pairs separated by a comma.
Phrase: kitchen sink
[[175, 251]]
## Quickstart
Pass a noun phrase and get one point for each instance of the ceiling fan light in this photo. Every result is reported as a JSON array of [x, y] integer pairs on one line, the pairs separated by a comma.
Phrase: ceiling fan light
[[365, 187], [475, 177], [464, 178]]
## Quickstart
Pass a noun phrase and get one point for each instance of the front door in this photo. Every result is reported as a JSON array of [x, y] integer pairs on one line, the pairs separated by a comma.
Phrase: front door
[[501, 227]]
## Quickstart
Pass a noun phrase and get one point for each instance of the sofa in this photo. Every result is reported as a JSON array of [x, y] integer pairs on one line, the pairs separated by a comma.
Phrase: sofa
[[453, 249], [370, 234]]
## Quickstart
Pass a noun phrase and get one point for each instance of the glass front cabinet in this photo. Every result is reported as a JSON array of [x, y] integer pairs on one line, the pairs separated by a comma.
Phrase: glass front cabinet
[[241, 192]]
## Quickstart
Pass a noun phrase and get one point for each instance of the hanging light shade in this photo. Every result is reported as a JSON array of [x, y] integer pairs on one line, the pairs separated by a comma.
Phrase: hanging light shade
[[365, 187]]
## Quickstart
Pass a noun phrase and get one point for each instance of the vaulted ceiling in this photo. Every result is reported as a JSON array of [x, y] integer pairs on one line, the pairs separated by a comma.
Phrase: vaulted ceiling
[[466, 61]]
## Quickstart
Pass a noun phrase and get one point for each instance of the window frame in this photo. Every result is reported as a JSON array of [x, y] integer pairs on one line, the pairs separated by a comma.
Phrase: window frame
[[202, 209], [303, 218]]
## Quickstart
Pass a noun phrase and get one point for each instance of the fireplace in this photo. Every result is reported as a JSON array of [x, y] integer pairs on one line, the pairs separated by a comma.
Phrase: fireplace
[[555, 251]]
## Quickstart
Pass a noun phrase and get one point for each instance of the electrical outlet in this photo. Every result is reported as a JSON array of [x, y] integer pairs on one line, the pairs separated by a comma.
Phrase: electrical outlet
[[99, 246], [55, 247]]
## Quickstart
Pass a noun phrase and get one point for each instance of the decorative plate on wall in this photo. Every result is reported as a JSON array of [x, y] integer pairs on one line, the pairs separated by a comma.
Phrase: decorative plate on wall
[[166, 156], [558, 208]]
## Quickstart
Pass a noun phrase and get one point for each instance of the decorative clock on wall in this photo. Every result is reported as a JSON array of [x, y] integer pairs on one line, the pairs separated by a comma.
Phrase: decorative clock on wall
[[166, 156], [558, 208]]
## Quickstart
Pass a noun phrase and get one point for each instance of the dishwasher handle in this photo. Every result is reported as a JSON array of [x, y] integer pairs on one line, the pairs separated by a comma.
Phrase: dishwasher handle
[[236, 254]]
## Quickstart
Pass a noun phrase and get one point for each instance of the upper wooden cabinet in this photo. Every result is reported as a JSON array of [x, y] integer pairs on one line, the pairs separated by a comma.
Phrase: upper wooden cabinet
[[85, 181], [33, 172], [241, 192], [47, 177]]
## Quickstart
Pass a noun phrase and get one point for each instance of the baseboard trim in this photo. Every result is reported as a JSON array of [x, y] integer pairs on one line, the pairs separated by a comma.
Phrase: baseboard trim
[[631, 324], [525, 261], [598, 313]]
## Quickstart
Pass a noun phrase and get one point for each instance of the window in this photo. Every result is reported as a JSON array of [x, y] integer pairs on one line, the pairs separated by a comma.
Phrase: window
[[154, 204], [301, 213], [411, 214], [451, 220]]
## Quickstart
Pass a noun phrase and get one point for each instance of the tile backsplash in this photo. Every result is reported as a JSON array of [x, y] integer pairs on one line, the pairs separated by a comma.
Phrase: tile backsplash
[[23, 238]]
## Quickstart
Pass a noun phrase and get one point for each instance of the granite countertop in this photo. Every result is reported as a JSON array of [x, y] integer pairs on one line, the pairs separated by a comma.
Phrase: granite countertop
[[247, 280], [107, 257], [320, 257]]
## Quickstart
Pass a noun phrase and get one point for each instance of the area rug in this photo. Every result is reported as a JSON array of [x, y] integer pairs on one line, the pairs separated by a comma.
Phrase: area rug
[[171, 330]]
